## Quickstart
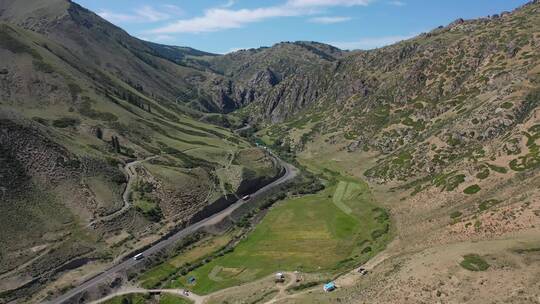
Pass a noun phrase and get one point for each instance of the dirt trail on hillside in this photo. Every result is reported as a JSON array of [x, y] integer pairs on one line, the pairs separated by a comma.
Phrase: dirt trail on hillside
[[132, 177]]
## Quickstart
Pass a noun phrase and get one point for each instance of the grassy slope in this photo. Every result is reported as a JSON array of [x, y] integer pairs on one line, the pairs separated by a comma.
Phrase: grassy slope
[[67, 87]]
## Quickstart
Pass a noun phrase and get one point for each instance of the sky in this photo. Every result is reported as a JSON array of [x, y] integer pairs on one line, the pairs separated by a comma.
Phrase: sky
[[222, 26]]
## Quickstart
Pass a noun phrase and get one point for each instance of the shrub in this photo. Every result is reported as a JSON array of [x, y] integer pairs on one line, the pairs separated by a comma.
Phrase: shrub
[[483, 174], [472, 189], [74, 90], [506, 105], [474, 262], [455, 214], [485, 205], [65, 122], [498, 169], [366, 250], [42, 66], [40, 120]]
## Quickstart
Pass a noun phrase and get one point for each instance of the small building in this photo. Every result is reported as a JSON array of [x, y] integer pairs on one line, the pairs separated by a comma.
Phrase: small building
[[328, 287], [280, 277]]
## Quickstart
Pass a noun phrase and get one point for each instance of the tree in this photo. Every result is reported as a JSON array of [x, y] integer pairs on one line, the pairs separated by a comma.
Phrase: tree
[[116, 144], [99, 133]]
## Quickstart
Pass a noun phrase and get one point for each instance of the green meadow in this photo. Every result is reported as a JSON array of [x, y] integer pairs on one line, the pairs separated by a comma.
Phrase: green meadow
[[328, 232]]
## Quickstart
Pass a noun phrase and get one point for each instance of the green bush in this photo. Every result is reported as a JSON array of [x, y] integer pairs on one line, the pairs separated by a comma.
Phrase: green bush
[[483, 174], [42, 66], [65, 122], [472, 189], [507, 105], [455, 214], [474, 262], [527, 162], [366, 250], [498, 169], [74, 90], [485, 205]]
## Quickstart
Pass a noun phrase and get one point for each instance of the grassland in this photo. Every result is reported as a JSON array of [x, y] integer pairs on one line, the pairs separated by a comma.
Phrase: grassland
[[311, 234], [191, 255]]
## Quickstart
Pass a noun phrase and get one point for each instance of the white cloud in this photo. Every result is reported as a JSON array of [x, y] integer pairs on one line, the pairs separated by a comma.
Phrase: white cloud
[[173, 9], [151, 14], [329, 19], [370, 42], [229, 3], [116, 17], [221, 18], [397, 3], [143, 14]]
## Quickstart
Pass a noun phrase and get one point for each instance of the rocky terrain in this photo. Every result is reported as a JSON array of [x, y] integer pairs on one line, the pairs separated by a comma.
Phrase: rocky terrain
[[445, 126]]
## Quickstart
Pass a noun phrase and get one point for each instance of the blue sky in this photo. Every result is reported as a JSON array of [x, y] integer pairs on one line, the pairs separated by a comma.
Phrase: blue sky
[[221, 26]]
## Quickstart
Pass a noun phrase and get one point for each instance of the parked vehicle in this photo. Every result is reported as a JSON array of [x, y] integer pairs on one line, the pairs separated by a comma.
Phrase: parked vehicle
[[139, 256], [246, 197]]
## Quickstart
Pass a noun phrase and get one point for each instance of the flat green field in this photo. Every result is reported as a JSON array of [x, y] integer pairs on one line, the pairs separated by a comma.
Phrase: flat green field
[[199, 250], [327, 232]]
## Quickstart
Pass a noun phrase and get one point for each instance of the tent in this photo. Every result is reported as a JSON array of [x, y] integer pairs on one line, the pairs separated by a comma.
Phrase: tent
[[329, 287]]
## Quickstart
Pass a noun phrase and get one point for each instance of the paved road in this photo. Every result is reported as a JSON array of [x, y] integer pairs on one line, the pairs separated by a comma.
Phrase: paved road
[[290, 173]]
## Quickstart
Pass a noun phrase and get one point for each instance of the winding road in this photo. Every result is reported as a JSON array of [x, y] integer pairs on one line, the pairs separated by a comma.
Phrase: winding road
[[289, 174], [125, 196]]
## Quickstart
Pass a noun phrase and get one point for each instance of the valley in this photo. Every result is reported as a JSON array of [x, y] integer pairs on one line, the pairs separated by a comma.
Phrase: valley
[[417, 161]]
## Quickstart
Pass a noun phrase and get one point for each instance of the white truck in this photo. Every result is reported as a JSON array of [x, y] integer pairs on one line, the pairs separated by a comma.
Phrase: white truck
[[138, 256]]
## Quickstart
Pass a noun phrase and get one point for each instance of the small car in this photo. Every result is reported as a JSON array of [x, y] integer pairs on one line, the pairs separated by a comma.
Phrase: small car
[[362, 271]]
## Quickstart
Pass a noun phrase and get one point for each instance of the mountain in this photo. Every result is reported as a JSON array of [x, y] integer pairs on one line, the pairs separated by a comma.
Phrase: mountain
[[80, 100], [444, 127], [458, 94]]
